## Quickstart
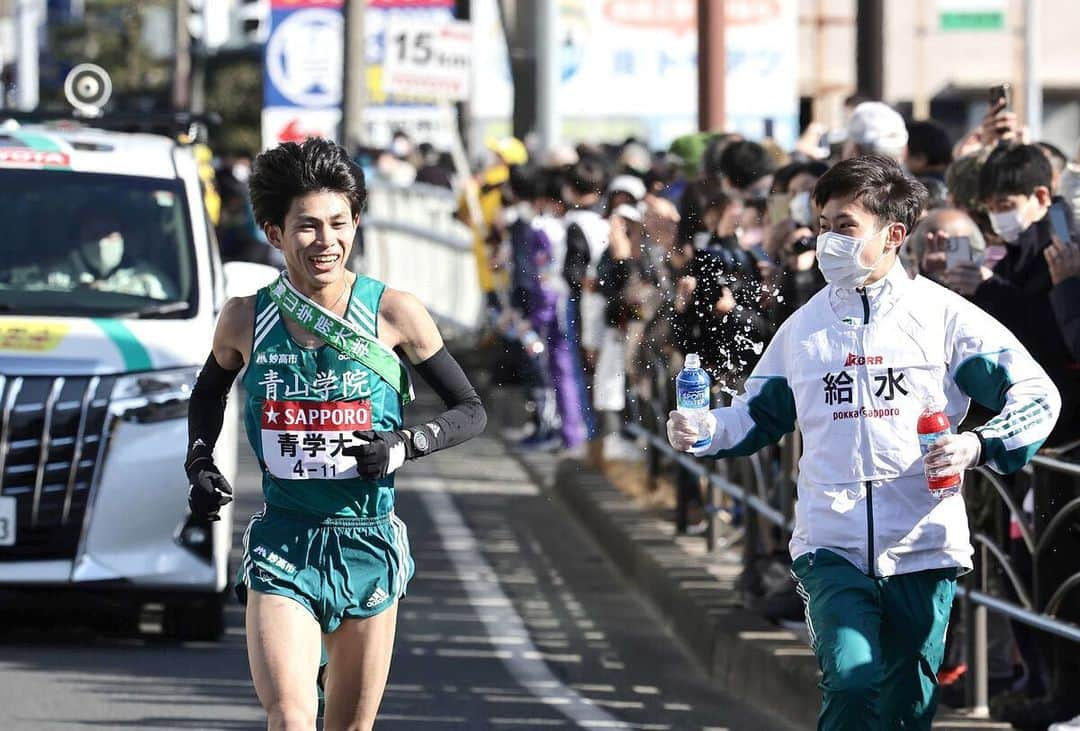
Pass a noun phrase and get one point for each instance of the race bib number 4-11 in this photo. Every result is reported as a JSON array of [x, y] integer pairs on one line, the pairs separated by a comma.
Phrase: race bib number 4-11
[[304, 440]]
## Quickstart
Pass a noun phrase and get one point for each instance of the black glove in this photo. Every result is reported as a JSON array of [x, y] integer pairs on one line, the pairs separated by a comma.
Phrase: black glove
[[209, 489], [379, 453]]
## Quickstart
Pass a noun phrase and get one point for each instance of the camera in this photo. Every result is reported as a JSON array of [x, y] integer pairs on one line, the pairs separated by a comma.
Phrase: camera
[[803, 245]]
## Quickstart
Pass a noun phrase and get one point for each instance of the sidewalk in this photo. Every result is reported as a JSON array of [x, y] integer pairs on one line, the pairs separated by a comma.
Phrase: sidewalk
[[694, 591]]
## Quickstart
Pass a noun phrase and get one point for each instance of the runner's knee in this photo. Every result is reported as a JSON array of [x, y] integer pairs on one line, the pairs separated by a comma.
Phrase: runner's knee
[[287, 716]]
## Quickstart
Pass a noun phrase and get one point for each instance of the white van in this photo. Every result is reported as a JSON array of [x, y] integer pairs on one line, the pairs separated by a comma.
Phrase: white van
[[110, 284]]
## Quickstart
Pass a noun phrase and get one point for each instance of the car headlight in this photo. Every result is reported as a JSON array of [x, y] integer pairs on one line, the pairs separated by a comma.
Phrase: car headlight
[[153, 395]]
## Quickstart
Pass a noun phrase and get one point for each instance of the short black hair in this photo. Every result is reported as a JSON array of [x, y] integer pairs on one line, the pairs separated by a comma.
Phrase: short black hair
[[930, 140], [714, 149], [697, 198], [524, 182], [879, 184], [745, 161], [1058, 159], [1014, 170], [937, 192], [292, 170], [588, 175], [549, 183], [663, 173], [784, 175]]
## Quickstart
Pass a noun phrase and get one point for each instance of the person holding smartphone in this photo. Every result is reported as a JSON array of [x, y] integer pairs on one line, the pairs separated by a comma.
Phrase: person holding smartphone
[[1063, 260], [946, 239], [1014, 188], [874, 553]]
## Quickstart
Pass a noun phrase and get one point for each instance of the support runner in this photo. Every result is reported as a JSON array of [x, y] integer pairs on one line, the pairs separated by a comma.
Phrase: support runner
[[327, 559], [876, 553]]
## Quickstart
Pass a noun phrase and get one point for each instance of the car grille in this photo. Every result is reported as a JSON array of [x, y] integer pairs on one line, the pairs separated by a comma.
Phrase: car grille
[[51, 430]]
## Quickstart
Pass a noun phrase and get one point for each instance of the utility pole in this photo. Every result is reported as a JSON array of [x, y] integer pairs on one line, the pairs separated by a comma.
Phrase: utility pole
[[181, 90], [520, 23], [1033, 93], [711, 65], [355, 87], [870, 48], [26, 40], [548, 73], [920, 102]]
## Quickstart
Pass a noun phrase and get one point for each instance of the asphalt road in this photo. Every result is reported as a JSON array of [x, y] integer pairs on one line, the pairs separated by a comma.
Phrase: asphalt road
[[514, 621]]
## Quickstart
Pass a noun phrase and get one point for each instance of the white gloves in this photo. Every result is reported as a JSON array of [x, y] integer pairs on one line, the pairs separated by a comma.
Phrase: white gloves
[[683, 432], [952, 454]]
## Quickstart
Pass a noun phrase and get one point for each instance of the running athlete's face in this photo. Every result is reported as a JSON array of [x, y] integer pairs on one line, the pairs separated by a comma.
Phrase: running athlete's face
[[316, 239]]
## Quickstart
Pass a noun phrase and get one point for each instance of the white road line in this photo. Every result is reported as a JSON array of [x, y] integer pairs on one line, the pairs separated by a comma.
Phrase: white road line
[[499, 616]]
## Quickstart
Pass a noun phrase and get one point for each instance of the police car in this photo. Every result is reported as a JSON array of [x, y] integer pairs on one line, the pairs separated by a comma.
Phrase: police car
[[110, 283]]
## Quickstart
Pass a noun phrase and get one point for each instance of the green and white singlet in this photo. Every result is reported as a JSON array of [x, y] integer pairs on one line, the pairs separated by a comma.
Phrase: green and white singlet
[[303, 405]]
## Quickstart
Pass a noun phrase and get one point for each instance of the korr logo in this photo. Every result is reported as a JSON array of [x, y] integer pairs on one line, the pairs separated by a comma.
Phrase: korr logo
[[861, 360]]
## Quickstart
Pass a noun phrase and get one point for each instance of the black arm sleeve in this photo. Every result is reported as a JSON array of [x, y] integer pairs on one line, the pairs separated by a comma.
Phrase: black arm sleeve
[[464, 418], [206, 410]]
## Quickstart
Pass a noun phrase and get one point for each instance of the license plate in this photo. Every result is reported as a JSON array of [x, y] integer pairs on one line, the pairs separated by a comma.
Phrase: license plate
[[7, 521]]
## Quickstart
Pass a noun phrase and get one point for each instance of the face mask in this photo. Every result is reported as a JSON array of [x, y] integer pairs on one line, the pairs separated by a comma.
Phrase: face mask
[[1008, 224], [799, 208], [838, 259], [105, 254]]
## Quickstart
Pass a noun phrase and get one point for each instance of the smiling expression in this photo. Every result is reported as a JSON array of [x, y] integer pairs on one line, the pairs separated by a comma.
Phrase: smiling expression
[[316, 239]]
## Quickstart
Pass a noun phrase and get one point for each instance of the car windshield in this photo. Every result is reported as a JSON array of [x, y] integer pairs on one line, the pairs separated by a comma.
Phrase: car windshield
[[82, 244]]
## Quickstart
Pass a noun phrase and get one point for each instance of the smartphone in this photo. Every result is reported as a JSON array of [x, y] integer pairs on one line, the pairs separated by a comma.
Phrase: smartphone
[[958, 251], [778, 207], [758, 252], [1059, 220], [999, 93]]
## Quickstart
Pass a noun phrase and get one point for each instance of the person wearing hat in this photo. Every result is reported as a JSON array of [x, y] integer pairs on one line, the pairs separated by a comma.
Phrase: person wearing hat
[[875, 127], [627, 283], [620, 259], [626, 190], [486, 190]]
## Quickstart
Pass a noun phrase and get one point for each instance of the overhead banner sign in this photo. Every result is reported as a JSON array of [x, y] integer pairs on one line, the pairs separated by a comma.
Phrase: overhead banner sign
[[388, 111], [972, 15], [629, 60], [428, 60], [762, 73], [302, 70]]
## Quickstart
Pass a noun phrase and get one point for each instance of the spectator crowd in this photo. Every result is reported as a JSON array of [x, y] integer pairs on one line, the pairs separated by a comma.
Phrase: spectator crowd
[[603, 266]]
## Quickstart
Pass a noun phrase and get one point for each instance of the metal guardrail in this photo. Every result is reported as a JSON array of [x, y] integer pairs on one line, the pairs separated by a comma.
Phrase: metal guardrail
[[441, 266], [973, 590], [413, 242]]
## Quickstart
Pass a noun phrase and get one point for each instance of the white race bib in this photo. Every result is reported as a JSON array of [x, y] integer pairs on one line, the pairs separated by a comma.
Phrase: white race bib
[[304, 440]]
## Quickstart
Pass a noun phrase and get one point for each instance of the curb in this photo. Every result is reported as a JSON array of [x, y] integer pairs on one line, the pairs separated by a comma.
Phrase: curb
[[746, 655]]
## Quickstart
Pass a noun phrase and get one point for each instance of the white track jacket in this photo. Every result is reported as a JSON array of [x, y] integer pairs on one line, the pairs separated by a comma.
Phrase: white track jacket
[[854, 370]]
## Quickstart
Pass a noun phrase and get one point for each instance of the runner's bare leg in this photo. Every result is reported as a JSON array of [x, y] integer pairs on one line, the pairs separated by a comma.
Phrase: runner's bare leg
[[360, 652], [284, 645]]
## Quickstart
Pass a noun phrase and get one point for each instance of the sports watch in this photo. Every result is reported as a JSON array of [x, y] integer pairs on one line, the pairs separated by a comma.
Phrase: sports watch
[[420, 442]]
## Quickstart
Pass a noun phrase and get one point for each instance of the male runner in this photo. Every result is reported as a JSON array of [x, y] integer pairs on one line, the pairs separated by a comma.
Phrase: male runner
[[326, 559], [875, 553]]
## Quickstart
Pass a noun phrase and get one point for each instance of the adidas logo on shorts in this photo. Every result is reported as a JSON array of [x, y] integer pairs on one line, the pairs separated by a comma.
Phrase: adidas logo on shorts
[[377, 597]]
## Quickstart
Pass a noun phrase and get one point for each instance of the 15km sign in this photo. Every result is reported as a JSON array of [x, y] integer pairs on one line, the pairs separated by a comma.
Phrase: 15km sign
[[428, 60]]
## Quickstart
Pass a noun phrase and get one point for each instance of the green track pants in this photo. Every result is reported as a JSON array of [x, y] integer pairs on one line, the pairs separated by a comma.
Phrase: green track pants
[[879, 641]]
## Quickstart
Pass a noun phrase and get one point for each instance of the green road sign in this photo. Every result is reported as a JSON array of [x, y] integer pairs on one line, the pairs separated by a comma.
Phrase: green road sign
[[991, 20]]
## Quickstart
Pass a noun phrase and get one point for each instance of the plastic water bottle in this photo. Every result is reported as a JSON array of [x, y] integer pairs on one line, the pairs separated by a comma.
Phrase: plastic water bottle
[[932, 425], [693, 397]]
